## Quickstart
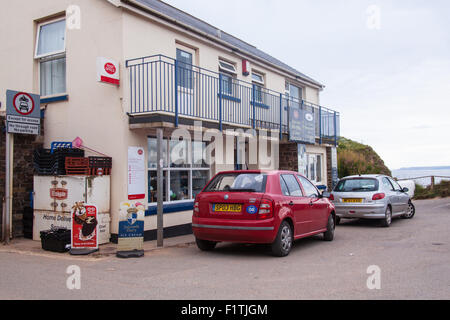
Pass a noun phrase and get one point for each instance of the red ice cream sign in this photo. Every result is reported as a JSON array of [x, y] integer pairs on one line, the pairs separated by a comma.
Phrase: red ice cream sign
[[84, 226]]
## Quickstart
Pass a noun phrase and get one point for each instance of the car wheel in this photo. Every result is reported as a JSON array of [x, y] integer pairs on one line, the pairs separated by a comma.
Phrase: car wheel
[[329, 234], [387, 218], [205, 245], [411, 211], [283, 242], [338, 220]]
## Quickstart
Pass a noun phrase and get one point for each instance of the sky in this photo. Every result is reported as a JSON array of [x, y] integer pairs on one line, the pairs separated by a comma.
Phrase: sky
[[385, 64]]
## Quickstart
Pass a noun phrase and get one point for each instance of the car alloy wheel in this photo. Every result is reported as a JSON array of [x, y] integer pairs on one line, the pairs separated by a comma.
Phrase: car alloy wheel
[[388, 218], [286, 238], [283, 242], [411, 211]]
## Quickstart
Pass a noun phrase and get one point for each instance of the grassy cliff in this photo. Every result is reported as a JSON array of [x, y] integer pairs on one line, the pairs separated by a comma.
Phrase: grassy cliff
[[357, 158]]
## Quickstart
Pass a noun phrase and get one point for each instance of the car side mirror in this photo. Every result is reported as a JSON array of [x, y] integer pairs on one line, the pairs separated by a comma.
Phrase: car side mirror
[[326, 194], [405, 189]]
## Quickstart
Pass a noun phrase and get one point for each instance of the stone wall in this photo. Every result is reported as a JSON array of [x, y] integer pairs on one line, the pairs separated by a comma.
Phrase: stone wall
[[288, 156], [24, 146]]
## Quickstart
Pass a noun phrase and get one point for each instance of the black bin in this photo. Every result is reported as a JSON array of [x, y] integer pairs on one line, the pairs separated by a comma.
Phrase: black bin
[[56, 239]]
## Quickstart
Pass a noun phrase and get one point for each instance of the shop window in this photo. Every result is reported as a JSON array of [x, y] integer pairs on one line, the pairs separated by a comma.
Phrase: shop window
[[314, 167], [185, 170], [51, 53]]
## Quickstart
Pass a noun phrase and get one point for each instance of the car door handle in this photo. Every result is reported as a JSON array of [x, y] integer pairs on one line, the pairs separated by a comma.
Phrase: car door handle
[[291, 203], [311, 203]]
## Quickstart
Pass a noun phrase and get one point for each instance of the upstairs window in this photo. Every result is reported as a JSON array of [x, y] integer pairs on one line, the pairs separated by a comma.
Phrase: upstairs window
[[228, 72], [51, 52], [258, 80], [185, 69], [294, 94]]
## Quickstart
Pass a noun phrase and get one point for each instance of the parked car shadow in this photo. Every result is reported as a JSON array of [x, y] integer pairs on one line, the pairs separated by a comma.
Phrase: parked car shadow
[[370, 223], [263, 250]]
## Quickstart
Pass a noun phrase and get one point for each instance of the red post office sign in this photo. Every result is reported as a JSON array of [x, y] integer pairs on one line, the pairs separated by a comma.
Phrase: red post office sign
[[107, 71]]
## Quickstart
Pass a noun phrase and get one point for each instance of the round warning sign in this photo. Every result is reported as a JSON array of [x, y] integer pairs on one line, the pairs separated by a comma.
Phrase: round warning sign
[[23, 103]]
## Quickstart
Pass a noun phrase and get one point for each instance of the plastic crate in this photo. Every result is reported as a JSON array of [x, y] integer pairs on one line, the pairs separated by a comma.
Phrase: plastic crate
[[44, 162], [56, 239], [62, 153], [77, 166], [99, 166]]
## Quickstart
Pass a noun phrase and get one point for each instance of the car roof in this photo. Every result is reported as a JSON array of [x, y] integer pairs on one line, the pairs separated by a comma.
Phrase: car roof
[[269, 172], [364, 176]]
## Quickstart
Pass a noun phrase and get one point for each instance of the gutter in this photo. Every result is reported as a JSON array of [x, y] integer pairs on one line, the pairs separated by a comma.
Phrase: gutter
[[137, 7]]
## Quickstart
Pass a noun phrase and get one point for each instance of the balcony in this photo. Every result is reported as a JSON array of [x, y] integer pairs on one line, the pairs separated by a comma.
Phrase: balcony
[[163, 89]]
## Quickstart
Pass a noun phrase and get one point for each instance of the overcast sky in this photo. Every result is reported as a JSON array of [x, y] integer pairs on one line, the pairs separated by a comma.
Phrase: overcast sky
[[389, 77]]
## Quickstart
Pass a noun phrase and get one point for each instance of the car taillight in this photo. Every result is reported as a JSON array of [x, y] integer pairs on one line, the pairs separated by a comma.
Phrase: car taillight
[[331, 197], [265, 209], [378, 196], [196, 209]]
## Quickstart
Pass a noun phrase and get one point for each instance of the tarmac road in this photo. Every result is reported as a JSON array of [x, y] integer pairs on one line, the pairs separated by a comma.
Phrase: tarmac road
[[413, 257]]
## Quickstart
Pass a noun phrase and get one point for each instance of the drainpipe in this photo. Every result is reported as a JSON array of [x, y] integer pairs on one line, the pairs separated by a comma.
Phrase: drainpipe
[[8, 187]]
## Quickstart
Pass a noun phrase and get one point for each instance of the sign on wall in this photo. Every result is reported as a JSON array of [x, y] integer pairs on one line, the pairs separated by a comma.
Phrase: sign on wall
[[302, 125], [108, 71], [136, 173], [23, 112]]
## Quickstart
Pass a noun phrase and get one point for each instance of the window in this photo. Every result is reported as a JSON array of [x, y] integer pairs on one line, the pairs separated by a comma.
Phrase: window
[[51, 52], [294, 94], [387, 184], [185, 172], [227, 67], [238, 182], [284, 188], [258, 80], [292, 185], [228, 73], [314, 167], [357, 185], [184, 69], [395, 184], [310, 189]]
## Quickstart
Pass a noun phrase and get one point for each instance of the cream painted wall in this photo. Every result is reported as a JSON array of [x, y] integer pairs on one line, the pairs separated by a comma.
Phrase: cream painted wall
[[95, 111]]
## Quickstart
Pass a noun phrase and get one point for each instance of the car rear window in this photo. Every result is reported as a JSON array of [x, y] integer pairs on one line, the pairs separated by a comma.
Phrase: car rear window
[[357, 185], [250, 182]]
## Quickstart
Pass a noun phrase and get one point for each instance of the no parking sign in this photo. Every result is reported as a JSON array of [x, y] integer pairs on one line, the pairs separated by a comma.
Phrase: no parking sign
[[23, 112]]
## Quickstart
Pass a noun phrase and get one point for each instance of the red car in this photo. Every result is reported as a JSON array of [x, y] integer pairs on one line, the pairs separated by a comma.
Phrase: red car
[[256, 206]]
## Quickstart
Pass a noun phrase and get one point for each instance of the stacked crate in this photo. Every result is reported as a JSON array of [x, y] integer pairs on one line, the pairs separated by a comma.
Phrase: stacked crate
[[47, 163], [99, 166]]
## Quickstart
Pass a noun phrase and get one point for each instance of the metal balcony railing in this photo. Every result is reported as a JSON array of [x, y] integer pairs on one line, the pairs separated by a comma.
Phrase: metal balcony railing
[[160, 84]]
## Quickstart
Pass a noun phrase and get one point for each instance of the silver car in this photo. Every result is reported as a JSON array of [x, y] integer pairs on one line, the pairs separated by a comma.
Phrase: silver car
[[371, 197]]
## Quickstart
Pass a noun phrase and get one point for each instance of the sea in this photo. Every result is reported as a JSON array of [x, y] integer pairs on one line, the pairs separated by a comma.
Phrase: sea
[[415, 172]]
